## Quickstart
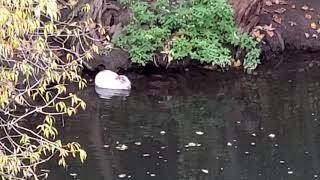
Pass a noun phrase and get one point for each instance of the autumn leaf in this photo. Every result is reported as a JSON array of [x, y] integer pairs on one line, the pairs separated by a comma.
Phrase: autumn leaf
[[277, 19], [267, 28], [258, 35], [308, 16], [307, 35], [280, 10], [235, 63], [270, 33], [268, 3], [283, 2], [305, 8], [72, 3], [313, 25]]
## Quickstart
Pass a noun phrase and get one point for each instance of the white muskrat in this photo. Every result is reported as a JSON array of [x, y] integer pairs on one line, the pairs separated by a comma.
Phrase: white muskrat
[[110, 80]]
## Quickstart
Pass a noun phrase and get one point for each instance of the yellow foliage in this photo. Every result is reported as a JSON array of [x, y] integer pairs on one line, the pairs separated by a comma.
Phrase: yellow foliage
[[34, 74]]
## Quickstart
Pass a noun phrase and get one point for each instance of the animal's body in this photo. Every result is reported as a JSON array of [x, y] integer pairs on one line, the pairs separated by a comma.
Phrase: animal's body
[[110, 80]]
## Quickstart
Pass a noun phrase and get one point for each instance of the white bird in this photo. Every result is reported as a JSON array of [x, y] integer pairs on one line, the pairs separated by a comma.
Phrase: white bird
[[107, 79]]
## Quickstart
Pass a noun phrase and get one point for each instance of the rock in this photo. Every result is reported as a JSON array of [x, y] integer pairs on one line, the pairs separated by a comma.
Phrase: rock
[[112, 61]]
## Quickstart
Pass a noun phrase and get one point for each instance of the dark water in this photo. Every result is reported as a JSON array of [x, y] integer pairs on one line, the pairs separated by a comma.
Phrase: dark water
[[238, 115]]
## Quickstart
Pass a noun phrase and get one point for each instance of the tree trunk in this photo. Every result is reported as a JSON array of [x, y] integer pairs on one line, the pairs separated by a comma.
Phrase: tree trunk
[[246, 13]]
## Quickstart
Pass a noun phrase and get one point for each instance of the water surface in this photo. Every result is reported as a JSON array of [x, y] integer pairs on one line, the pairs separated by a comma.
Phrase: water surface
[[202, 125]]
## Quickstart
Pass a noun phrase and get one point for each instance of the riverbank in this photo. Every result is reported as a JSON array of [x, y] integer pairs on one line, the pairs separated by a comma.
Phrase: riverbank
[[284, 26]]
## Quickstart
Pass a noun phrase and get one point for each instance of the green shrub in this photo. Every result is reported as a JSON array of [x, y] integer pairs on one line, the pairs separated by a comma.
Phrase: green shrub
[[196, 29]]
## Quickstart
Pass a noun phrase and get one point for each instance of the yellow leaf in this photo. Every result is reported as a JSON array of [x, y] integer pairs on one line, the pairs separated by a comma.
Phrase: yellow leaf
[[236, 63], [313, 25], [83, 155]]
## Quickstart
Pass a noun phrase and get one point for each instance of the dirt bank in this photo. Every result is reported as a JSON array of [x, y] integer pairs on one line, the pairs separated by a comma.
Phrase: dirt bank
[[296, 26]]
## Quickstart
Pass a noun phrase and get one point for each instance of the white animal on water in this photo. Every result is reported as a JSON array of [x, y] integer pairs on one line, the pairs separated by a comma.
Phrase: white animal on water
[[110, 80]]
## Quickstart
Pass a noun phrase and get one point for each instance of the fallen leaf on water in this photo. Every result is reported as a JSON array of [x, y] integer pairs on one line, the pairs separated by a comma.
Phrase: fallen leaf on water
[[313, 25], [205, 171], [122, 175], [138, 143], [74, 175], [191, 144], [268, 3], [277, 19], [272, 136], [293, 6], [122, 147], [307, 35], [276, 1], [318, 30], [305, 8], [199, 133], [308, 16]]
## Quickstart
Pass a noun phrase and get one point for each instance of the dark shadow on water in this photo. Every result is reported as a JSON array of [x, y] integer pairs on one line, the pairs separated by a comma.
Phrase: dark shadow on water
[[162, 120]]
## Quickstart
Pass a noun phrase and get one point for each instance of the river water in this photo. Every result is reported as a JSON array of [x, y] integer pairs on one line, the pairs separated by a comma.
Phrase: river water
[[202, 125]]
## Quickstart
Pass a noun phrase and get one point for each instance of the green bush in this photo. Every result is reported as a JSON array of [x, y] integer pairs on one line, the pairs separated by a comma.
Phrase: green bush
[[197, 29]]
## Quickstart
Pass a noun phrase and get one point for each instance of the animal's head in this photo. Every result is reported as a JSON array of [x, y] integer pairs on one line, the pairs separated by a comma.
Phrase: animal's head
[[124, 81]]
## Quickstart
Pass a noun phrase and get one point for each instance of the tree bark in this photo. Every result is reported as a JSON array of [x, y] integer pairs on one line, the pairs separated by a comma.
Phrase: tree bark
[[246, 13]]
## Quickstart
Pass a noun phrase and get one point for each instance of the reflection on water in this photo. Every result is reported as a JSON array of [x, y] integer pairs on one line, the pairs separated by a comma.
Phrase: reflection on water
[[109, 93], [203, 126]]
